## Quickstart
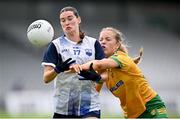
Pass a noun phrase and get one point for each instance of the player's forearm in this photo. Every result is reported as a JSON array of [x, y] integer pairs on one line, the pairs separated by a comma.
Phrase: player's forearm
[[49, 76], [104, 64], [96, 65]]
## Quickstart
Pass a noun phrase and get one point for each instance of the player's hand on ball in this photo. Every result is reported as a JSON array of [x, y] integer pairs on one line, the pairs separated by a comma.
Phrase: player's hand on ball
[[63, 66]]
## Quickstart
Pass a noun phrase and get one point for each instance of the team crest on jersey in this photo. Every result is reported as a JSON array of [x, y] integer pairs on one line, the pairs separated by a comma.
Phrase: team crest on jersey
[[88, 52]]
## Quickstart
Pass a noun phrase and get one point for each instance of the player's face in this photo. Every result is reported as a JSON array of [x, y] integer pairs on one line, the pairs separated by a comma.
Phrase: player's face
[[69, 22], [108, 42]]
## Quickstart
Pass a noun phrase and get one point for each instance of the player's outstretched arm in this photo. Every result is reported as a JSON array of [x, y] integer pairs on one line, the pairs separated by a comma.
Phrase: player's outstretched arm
[[90, 74], [50, 72]]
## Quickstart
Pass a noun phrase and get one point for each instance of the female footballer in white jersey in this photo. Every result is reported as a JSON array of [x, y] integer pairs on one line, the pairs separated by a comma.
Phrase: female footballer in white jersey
[[73, 98]]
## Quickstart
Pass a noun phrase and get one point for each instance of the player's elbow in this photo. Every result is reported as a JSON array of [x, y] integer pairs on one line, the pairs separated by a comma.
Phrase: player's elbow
[[46, 82], [49, 75], [46, 79]]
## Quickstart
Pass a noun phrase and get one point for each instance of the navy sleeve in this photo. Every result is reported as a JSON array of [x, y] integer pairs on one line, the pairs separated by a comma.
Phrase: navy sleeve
[[51, 55], [99, 53]]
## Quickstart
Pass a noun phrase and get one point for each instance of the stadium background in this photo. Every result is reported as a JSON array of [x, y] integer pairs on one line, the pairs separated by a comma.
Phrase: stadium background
[[152, 24]]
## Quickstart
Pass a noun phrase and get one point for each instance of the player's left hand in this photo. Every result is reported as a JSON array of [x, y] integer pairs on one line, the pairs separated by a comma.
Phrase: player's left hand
[[75, 68]]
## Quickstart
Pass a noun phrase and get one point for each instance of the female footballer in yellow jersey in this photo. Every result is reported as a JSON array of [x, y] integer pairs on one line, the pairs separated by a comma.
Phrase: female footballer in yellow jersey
[[123, 78]]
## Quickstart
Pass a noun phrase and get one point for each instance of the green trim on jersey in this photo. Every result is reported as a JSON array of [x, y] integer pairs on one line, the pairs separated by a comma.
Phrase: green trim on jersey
[[155, 108], [117, 60]]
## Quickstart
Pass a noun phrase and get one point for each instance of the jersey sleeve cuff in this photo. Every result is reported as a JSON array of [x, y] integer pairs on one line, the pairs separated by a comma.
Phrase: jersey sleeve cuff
[[50, 64], [117, 61]]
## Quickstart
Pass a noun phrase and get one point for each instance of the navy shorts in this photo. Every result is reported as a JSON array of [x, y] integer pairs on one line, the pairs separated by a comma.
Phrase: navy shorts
[[90, 114]]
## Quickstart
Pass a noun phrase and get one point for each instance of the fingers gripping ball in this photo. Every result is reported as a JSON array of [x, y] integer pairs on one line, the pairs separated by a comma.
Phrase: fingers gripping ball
[[40, 33]]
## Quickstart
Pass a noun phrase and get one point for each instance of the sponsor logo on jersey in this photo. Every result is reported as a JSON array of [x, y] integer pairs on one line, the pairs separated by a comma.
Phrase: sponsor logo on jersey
[[118, 84], [64, 50]]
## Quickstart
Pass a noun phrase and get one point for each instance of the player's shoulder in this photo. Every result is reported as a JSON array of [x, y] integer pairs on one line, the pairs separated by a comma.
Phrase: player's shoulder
[[121, 56], [56, 40], [90, 38]]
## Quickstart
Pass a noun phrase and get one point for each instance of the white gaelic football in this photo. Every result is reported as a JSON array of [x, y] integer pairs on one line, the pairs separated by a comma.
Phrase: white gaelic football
[[40, 33]]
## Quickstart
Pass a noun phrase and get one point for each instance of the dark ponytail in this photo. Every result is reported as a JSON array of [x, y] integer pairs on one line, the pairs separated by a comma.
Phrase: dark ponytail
[[81, 33]]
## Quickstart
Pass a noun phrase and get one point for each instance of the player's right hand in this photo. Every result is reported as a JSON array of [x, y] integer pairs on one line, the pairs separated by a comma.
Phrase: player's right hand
[[63, 66]]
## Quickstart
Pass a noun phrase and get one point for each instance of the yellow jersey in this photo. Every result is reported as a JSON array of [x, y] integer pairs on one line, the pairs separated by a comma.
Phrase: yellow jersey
[[129, 84]]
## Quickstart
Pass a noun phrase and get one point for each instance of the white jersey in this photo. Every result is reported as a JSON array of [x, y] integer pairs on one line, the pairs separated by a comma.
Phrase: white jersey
[[73, 96]]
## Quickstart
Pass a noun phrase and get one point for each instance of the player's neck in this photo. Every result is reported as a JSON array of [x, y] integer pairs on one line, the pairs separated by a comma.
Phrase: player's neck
[[74, 37]]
